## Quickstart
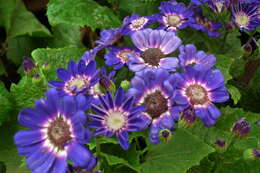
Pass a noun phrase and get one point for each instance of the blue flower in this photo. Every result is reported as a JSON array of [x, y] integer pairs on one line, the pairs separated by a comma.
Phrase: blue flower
[[56, 134], [199, 2], [246, 16], [200, 89], [155, 45], [219, 5], [117, 116], [118, 57], [77, 79], [175, 16], [190, 56], [152, 89]]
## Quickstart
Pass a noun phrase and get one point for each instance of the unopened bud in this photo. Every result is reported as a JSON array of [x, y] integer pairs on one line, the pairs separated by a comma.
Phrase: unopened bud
[[220, 143], [229, 27], [165, 135], [251, 154], [241, 127], [125, 85], [107, 84], [28, 64], [188, 117], [257, 123], [247, 48]]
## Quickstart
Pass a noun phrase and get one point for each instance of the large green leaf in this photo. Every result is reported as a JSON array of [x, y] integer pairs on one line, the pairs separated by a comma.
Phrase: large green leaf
[[224, 63], [234, 92], [5, 104], [81, 12], [182, 152], [18, 21], [56, 58]]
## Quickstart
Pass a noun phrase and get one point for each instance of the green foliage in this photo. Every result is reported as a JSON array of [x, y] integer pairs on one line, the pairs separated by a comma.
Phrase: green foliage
[[81, 13], [5, 104], [183, 151], [234, 92], [18, 21], [56, 58], [224, 64]]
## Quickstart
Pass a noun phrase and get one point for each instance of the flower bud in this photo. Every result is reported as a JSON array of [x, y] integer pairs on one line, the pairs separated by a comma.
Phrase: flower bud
[[229, 27], [251, 154], [247, 48], [257, 123], [188, 117], [220, 143], [241, 127], [165, 135], [28, 64], [125, 85], [107, 84]]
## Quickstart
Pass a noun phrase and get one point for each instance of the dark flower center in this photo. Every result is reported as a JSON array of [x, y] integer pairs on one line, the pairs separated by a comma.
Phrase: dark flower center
[[197, 94], [173, 20], [156, 104], [59, 132], [152, 56]]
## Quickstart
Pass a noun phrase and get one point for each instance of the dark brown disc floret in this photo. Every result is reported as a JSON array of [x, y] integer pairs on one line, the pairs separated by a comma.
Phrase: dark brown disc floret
[[152, 56]]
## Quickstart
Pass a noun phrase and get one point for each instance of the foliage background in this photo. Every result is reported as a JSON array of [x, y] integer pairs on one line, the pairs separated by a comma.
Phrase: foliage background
[[57, 31]]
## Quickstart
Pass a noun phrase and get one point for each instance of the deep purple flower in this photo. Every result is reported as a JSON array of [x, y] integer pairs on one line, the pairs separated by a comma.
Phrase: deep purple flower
[[152, 89], [90, 54], [188, 116], [165, 135], [190, 56], [155, 45], [220, 143], [219, 5], [28, 64], [257, 123], [118, 57], [256, 153], [56, 134], [136, 23], [241, 127], [117, 116], [246, 16], [200, 89], [203, 24], [175, 16], [77, 79], [199, 2]]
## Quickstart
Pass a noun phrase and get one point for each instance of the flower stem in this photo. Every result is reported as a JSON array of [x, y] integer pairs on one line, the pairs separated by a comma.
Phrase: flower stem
[[98, 153]]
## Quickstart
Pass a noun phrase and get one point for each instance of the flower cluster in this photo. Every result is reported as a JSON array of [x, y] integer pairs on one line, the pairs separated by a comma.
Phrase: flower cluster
[[172, 83]]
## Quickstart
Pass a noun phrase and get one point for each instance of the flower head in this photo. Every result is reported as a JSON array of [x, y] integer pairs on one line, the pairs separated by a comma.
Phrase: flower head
[[200, 89], [56, 134], [175, 16], [155, 45], [118, 57], [90, 54], [199, 2], [241, 127], [246, 16], [77, 79], [117, 116], [151, 89], [190, 56], [219, 5], [28, 64], [136, 23]]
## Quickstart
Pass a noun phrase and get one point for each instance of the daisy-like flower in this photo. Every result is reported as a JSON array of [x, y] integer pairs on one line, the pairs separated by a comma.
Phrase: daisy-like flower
[[190, 56], [175, 16], [118, 57], [56, 134], [200, 89], [117, 116], [219, 5], [155, 45], [136, 22], [246, 16], [77, 79], [152, 89]]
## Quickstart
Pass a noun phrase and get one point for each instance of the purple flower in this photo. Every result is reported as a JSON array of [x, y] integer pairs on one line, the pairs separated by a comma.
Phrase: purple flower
[[117, 116], [56, 134], [118, 57], [219, 5], [155, 45], [246, 16], [136, 23], [200, 89], [152, 89], [77, 79], [90, 54], [220, 143], [205, 25], [256, 153], [190, 56], [241, 127], [175, 16], [188, 116], [28, 64], [199, 2], [257, 123]]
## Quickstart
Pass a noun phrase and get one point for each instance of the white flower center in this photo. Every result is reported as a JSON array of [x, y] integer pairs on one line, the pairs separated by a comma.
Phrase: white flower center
[[138, 23], [174, 20], [242, 19], [219, 6], [198, 93], [115, 120], [123, 55], [77, 83]]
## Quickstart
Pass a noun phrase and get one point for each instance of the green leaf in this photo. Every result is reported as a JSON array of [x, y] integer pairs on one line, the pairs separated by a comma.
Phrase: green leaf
[[234, 92], [6, 105], [18, 21], [181, 153], [56, 58], [8, 150], [224, 63], [27, 91], [81, 13]]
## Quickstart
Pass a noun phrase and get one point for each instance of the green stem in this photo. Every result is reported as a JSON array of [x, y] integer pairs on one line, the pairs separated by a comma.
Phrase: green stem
[[98, 152], [224, 41]]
